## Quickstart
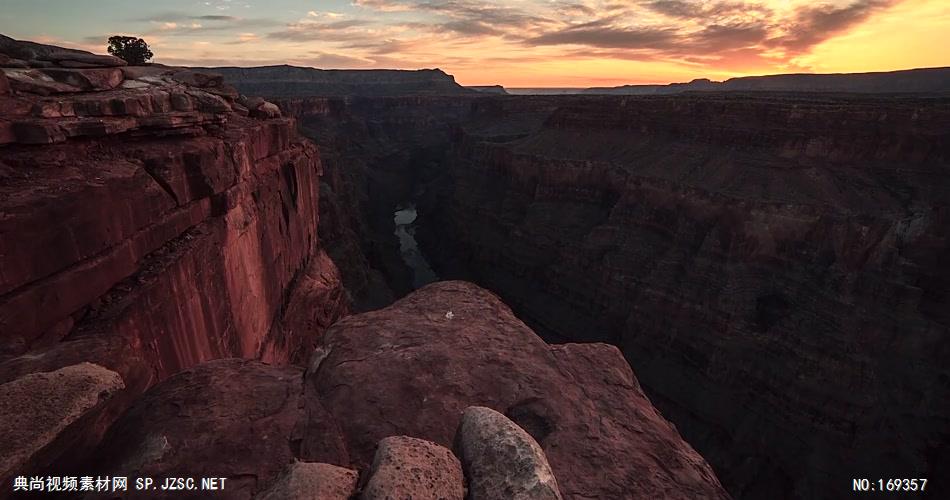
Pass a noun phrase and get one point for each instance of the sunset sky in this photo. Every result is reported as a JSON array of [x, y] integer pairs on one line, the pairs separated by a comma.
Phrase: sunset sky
[[516, 43]]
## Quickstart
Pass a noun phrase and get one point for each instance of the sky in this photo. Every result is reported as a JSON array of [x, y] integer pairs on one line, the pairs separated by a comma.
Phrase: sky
[[515, 43]]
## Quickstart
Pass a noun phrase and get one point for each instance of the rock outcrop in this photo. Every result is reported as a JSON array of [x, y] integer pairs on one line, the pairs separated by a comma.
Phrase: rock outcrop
[[150, 222], [417, 368], [388, 393], [501, 460], [405, 467]]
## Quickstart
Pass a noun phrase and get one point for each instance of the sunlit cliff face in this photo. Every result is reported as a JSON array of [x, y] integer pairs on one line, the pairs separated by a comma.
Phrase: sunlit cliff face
[[515, 42]]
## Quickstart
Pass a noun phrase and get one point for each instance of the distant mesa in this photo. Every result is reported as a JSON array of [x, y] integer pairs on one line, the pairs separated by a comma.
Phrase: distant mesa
[[489, 89], [295, 81], [924, 80]]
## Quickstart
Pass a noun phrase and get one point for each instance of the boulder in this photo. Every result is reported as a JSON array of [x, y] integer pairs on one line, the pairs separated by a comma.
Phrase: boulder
[[137, 72], [16, 49], [312, 481], [9, 62], [501, 460], [224, 90], [87, 58], [251, 103], [4, 84], [32, 81], [87, 79], [135, 84], [38, 407], [209, 103], [266, 111], [198, 78], [406, 467]]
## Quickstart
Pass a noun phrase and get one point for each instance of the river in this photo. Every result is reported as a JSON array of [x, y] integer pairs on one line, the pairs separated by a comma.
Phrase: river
[[405, 218]]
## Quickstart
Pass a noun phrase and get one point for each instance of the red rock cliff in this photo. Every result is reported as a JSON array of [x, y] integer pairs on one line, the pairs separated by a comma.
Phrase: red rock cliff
[[149, 222]]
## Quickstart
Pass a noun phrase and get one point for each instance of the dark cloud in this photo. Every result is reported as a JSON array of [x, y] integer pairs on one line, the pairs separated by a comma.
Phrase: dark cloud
[[815, 24], [609, 37], [469, 27], [333, 31], [191, 23], [215, 18], [722, 33], [492, 17], [703, 10], [381, 47], [717, 37]]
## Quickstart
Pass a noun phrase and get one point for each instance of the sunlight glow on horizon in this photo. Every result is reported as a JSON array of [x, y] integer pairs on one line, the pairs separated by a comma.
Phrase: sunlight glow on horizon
[[517, 43]]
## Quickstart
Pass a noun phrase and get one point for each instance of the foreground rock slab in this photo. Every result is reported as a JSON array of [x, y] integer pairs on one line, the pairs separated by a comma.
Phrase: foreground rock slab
[[36, 409], [406, 467], [501, 460], [313, 481], [231, 418], [411, 369]]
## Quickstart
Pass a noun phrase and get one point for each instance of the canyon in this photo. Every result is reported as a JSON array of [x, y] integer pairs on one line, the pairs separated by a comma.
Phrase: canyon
[[191, 288], [769, 264], [653, 293]]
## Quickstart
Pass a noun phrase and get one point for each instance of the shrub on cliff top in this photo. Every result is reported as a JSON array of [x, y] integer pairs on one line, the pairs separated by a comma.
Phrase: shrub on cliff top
[[134, 50]]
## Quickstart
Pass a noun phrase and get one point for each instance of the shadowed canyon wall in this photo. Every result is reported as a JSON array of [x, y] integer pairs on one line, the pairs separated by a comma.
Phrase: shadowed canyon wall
[[770, 266], [377, 153]]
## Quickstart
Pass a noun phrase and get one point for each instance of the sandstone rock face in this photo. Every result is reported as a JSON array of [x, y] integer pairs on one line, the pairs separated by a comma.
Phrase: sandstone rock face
[[38, 409], [236, 419], [149, 225], [313, 481], [769, 266], [406, 467], [173, 183], [501, 460], [411, 369]]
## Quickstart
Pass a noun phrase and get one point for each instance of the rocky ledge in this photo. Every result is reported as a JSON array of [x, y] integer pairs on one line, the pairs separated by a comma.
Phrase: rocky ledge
[[550, 421]]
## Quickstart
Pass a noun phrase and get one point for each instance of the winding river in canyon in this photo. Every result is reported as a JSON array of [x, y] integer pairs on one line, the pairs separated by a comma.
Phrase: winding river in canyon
[[405, 219]]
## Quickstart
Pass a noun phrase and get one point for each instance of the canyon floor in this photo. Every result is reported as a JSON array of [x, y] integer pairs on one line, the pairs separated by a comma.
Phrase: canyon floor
[[429, 292]]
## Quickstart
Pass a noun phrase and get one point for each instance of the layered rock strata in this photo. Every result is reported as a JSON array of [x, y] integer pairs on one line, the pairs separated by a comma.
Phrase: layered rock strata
[[770, 266], [150, 220]]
